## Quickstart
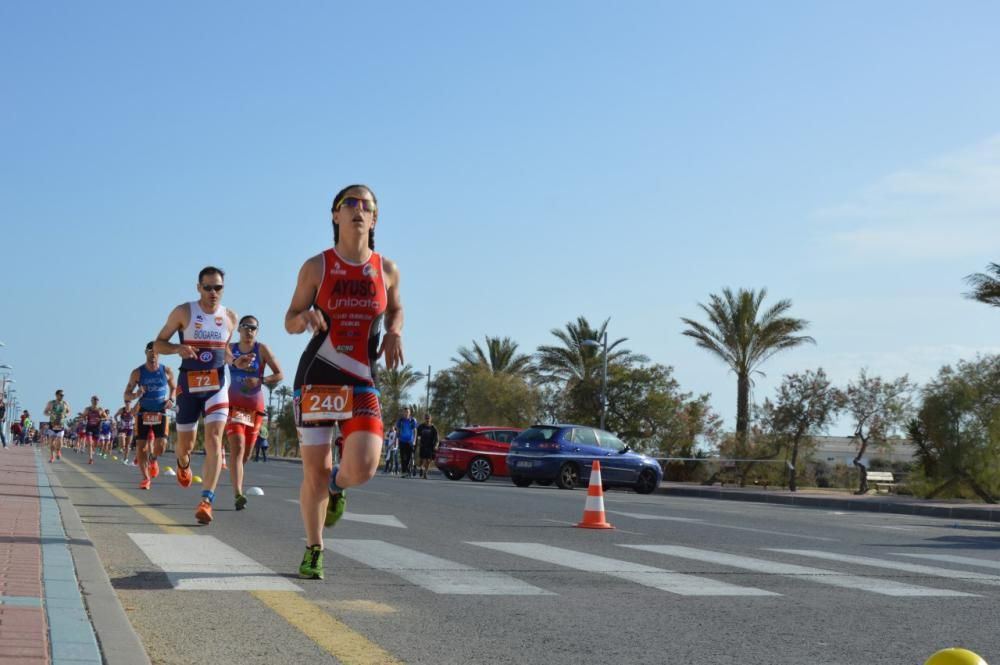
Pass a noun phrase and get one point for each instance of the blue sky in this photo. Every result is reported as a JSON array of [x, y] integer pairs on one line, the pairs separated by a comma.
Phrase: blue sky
[[533, 161]]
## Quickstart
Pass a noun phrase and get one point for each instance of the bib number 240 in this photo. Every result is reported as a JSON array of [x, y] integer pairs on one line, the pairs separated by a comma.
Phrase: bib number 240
[[325, 403]]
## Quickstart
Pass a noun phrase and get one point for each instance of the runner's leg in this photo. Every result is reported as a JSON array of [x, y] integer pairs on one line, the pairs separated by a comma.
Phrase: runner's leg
[[317, 464]]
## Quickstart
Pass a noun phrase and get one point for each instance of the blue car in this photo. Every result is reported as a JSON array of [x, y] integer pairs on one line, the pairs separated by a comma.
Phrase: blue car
[[564, 454]]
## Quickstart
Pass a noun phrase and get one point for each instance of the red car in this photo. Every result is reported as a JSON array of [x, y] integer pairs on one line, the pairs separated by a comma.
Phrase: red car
[[480, 452]]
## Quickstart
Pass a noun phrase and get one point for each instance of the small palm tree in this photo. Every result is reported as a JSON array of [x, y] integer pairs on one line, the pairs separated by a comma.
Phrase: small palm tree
[[985, 287], [573, 361], [394, 385], [499, 357], [744, 338]]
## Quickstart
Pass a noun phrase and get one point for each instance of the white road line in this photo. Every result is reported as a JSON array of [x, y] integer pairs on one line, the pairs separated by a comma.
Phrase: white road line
[[640, 516], [979, 578], [379, 520], [951, 558], [432, 573], [658, 578], [818, 575], [204, 563]]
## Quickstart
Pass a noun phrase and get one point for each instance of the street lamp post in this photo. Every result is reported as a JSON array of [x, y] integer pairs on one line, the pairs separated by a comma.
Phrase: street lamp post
[[604, 375]]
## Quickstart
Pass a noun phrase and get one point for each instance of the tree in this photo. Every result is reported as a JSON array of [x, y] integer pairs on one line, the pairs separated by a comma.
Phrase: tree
[[572, 361], [805, 404], [985, 287], [467, 394], [499, 357], [394, 384], [878, 408], [957, 429], [744, 337]]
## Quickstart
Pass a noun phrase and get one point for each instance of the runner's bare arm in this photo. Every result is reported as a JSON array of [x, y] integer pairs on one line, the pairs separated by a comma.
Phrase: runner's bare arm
[[176, 322], [131, 390], [301, 315], [48, 409], [268, 358], [392, 342], [171, 385], [230, 358]]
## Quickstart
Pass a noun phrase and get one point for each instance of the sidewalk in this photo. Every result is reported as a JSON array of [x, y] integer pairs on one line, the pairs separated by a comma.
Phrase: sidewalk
[[840, 500], [53, 588]]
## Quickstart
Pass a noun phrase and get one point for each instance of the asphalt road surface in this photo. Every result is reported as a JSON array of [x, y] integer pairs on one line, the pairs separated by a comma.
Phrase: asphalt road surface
[[439, 571]]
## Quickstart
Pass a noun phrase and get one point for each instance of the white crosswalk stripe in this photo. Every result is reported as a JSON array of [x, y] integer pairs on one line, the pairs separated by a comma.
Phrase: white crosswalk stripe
[[952, 558], [818, 575], [658, 578], [432, 573], [979, 578]]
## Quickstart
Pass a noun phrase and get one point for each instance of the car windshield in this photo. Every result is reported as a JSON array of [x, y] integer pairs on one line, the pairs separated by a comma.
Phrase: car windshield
[[460, 434], [536, 434]]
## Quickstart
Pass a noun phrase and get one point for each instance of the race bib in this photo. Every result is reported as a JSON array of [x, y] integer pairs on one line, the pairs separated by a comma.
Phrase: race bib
[[203, 381], [325, 403], [242, 416], [153, 418]]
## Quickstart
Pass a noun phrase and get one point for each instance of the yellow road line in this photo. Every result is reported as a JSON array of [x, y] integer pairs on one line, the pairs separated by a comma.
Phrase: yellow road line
[[152, 514], [348, 646], [334, 637]]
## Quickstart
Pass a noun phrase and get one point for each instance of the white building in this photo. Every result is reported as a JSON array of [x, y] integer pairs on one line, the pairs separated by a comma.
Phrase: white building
[[842, 450]]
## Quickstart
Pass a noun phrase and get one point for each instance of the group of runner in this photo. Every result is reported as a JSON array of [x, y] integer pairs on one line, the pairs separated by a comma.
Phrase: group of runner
[[347, 298]]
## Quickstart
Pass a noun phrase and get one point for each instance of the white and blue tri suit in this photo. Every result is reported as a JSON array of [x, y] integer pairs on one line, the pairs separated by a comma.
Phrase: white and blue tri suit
[[202, 388]]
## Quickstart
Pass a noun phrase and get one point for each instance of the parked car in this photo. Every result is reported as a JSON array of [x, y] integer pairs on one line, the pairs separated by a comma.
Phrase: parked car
[[480, 452], [564, 454]]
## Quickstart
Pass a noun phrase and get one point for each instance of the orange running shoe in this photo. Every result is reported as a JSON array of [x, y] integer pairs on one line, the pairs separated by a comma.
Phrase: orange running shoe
[[184, 475], [144, 484], [154, 469], [204, 512]]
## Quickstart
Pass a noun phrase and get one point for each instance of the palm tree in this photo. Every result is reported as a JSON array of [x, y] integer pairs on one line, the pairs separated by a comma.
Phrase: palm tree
[[394, 385], [985, 287], [744, 338], [574, 361], [500, 357]]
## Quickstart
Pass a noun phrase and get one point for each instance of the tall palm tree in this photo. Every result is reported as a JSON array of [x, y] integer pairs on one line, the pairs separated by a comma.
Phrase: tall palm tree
[[744, 337], [499, 357], [985, 287], [573, 361], [394, 385]]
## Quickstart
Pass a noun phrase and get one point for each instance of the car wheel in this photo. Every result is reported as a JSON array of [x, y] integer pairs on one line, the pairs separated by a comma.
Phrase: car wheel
[[569, 476], [480, 469], [544, 483], [520, 481], [646, 482], [451, 474]]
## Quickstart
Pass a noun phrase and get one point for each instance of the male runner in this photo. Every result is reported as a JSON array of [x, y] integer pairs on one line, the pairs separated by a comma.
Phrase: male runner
[[125, 419], [93, 415], [153, 385], [106, 435], [246, 400], [57, 410], [205, 328]]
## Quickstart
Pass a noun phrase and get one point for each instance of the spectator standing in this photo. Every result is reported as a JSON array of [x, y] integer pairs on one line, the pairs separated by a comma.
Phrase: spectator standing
[[3, 416], [391, 452], [407, 428], [262, 444], [427, 436]]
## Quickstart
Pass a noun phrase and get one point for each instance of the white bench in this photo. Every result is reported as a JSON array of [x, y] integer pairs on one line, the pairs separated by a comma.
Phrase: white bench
[[882, 480]]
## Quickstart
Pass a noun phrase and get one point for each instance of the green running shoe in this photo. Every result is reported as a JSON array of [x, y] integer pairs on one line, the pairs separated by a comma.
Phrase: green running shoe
[[335, 508], [311, 567], [241, 502]]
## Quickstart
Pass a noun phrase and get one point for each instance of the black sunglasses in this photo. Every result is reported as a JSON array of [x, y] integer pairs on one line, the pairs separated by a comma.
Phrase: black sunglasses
[[247, 326], [213, 287]]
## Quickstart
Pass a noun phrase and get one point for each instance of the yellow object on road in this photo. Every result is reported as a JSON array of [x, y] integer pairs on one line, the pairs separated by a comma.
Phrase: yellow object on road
[[955, 656]]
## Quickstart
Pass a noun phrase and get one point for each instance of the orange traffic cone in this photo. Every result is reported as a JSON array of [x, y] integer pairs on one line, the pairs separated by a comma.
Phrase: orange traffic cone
[[225, 467], [593, 510]]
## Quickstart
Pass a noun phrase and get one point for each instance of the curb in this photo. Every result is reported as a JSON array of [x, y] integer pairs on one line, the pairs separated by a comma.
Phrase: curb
[[119, 644], [985, 513]]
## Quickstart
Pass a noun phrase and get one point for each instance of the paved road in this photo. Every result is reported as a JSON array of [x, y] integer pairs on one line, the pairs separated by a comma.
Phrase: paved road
[[435, 571]]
